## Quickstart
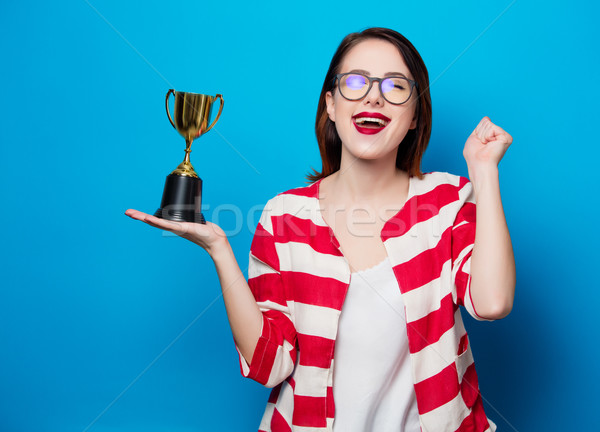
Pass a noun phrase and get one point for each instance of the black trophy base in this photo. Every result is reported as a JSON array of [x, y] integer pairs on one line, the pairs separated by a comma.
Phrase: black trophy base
[[181, 200]]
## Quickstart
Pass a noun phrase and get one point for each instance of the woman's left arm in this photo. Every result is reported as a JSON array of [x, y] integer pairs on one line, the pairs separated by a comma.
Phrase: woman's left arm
[[493, 275]]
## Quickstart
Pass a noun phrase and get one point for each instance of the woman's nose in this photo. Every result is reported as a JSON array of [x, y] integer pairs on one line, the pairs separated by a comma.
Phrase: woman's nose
[[374, 95]]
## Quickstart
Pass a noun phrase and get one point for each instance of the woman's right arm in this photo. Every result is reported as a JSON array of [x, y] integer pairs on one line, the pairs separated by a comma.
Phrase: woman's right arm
[[245, 317]]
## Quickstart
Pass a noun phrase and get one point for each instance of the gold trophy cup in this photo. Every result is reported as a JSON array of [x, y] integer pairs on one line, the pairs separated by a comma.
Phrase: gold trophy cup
[[182, 196]]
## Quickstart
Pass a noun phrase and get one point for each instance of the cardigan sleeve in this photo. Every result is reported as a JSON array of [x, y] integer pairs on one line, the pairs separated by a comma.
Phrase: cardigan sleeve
[[463, 239], [275, 353]]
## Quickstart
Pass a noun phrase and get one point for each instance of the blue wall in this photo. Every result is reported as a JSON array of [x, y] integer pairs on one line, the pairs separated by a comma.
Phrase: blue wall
[[108, 325]]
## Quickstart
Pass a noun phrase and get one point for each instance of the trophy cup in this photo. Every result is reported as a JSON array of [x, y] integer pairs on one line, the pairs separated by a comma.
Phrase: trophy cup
[[182, 196]]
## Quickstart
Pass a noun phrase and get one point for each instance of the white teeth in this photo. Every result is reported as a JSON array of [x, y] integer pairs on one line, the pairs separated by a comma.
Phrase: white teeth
[[382, 122]]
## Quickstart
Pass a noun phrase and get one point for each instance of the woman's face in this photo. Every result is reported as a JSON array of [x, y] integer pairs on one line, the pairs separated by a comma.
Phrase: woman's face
[[361, 138]]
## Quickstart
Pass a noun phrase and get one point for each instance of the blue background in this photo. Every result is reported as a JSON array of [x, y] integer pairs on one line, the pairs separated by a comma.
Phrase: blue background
[[109, 325]]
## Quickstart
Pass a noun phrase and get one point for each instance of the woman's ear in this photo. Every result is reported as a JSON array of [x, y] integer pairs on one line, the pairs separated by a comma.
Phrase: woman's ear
[[413, 123], [330, 106]]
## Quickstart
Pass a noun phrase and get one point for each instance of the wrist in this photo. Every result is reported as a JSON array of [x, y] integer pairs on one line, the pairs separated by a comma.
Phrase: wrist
[[219, 249], [483, 177]]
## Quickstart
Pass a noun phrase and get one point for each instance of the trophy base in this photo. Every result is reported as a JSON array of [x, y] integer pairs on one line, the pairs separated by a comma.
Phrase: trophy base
[[179, 216], [181, 200]]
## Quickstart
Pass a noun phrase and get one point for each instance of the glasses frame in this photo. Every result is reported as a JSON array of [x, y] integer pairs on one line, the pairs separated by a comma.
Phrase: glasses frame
[[412, 83]]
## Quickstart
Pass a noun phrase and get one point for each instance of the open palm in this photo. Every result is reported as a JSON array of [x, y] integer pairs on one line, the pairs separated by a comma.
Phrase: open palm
[[205, 235]]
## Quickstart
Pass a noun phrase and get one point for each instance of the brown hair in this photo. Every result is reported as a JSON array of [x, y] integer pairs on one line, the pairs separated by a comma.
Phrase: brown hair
[[412, 147]]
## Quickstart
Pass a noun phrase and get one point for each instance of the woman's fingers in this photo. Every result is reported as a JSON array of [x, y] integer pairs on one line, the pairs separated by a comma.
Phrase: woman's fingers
[[176, 227], [487, 144], [135, 214], [487, 131], [204, 235], [151, 220], [483, 130]]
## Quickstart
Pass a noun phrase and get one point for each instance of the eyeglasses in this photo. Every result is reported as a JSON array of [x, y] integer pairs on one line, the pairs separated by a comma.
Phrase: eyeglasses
[[354, 86]]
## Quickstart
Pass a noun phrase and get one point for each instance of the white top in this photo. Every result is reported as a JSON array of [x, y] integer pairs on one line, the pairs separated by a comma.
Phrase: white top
[[372, 379]]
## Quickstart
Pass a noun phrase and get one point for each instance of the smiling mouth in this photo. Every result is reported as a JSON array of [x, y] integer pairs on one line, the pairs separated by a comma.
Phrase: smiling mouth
[[370, 123]]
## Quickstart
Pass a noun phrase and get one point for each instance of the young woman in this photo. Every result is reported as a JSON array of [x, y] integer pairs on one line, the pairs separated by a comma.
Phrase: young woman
[[351, 310]]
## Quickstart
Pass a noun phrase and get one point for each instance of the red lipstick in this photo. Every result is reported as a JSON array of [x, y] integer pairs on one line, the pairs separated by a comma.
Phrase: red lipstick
[[370, 123]]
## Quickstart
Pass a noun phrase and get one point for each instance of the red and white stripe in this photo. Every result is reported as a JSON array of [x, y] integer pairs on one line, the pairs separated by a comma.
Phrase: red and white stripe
[[299, 278]]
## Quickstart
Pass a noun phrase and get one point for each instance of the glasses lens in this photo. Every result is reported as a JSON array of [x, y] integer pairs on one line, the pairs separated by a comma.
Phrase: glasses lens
[[353, 86], [396, 89]]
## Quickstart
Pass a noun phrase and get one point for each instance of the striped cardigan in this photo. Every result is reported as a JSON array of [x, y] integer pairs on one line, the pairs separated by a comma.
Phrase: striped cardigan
[[299, 278]]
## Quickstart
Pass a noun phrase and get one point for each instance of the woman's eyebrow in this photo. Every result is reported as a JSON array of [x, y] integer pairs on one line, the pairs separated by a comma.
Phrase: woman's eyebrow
[[394, 74], [359, 71], [387, 74]]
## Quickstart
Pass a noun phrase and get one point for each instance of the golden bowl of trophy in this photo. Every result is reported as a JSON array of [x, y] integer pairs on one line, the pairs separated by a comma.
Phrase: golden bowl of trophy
[[182, 195]]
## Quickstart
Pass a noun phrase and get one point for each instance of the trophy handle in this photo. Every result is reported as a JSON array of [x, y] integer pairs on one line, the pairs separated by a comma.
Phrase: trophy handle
[[218, 96], [167, 105]]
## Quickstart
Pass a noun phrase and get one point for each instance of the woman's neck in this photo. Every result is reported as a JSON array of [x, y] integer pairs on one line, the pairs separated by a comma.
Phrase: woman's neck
[[367, 180]]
